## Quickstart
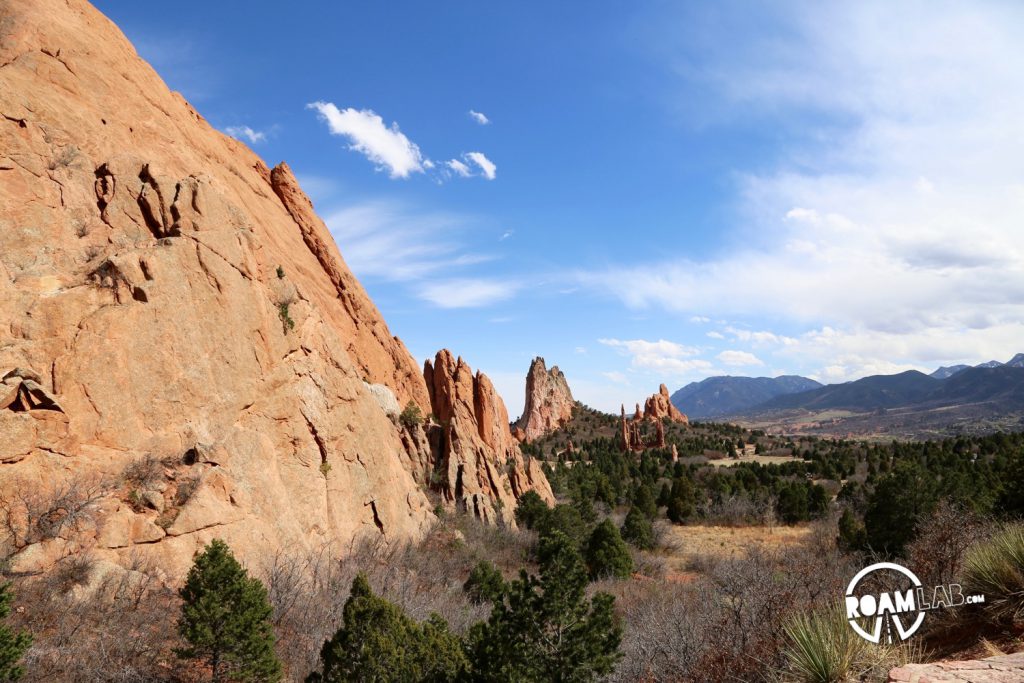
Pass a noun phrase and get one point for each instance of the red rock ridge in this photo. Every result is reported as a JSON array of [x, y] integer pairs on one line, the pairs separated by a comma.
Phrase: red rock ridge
[[549, 403]]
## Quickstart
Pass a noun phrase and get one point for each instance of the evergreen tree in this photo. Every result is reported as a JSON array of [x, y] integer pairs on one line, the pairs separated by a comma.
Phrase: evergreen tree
[[485, 583], [565, 519], [681, 500], [638, 530], [379, 643], [225, 619], [12, 645], [851, 532], [545, 630], [643, 499], [606, 553], [531, 509]]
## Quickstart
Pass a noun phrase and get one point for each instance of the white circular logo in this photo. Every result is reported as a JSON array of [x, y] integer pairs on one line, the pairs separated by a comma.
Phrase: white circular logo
[[892, 609]]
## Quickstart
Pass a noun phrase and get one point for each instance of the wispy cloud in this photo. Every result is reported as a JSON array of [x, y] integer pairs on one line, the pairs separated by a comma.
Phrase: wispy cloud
[[739, 358], [391, 241], [487, 167], [246, 133], [467, 292], [386, 146], [479, 117], [459, 168]]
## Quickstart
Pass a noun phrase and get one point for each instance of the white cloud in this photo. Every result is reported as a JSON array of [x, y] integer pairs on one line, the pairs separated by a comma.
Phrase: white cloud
[[739, 358], [459, 168], [616, 376], [715, 335], [581, 349], [487, 167], [479, 118], [390, 241], [895, 221], [700, 319], [246, 133], [660, 356], [387, 147], [505, 235], [467, 292]]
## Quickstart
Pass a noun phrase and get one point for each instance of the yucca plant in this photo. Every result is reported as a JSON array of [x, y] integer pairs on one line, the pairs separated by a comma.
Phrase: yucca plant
[[995, 568], [823, 648]]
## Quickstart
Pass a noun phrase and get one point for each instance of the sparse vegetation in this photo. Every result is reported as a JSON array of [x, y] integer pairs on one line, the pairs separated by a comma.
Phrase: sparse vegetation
[[280, 273], [286, 319], [995, 568], [411, 415], [13, 644], [823, 648]]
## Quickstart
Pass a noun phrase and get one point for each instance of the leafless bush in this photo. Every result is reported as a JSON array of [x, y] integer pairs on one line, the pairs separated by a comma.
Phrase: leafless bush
[[30, 514], [72, 571], [122, 631], [726, 625], [943, 537], [144, 472], [187, 488], [737, 510]]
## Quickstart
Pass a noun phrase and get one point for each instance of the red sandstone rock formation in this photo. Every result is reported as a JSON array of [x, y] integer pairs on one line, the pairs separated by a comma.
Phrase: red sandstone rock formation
[[659, 406], [165, 293], [480, 468], [549, 402]]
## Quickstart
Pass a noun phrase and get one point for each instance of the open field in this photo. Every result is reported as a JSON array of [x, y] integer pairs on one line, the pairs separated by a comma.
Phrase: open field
[[696, 541], [763, 459]]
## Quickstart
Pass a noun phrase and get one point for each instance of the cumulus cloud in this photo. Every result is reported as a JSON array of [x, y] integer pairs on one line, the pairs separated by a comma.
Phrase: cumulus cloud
[[386, 146], [660, 356], [487, 167], [895, 224], [739, 358], [467, 292], [479, 117], [246, 133]]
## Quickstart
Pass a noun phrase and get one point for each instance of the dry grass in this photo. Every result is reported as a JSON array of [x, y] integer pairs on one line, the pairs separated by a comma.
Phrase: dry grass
[[763, 459], [692, 546]]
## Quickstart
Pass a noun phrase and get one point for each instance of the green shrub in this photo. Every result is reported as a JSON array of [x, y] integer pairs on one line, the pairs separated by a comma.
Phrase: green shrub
[[531, 509], [286, 319], [13, 645], [644, 500], [564, 519], [606, 553], [638, 530], [995, 568], [280, 273], [823, 648], [411, 415], [485, 583], [379, 642]]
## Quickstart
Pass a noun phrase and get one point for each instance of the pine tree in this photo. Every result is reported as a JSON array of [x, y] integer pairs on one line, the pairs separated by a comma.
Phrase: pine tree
[[485, 583], [12, 645], [638, 530], [644, 500], [225, 619], [531, 509], [545, 630], [379, 643], [606, 553]]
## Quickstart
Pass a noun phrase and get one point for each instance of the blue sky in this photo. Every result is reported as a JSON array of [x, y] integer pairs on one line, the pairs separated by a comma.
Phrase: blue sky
[[656, 191]]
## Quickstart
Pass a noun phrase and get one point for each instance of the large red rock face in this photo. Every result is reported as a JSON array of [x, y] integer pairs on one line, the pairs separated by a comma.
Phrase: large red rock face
[[163, 293], [549, 402], [480, 468]]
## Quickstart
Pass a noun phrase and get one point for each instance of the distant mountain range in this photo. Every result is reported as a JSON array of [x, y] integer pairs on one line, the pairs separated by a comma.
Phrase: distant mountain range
[[717, 396], [951, 394]]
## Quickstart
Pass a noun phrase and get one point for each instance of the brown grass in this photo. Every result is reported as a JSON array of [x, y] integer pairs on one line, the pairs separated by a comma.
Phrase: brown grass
[[692, 546]]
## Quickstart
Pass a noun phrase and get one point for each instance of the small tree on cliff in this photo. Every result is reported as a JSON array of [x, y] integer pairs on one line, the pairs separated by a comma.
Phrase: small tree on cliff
[[225, 619], [12, 645]]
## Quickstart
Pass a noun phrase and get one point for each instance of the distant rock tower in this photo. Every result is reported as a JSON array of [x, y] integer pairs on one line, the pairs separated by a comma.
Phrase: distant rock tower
[[549, 402]]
